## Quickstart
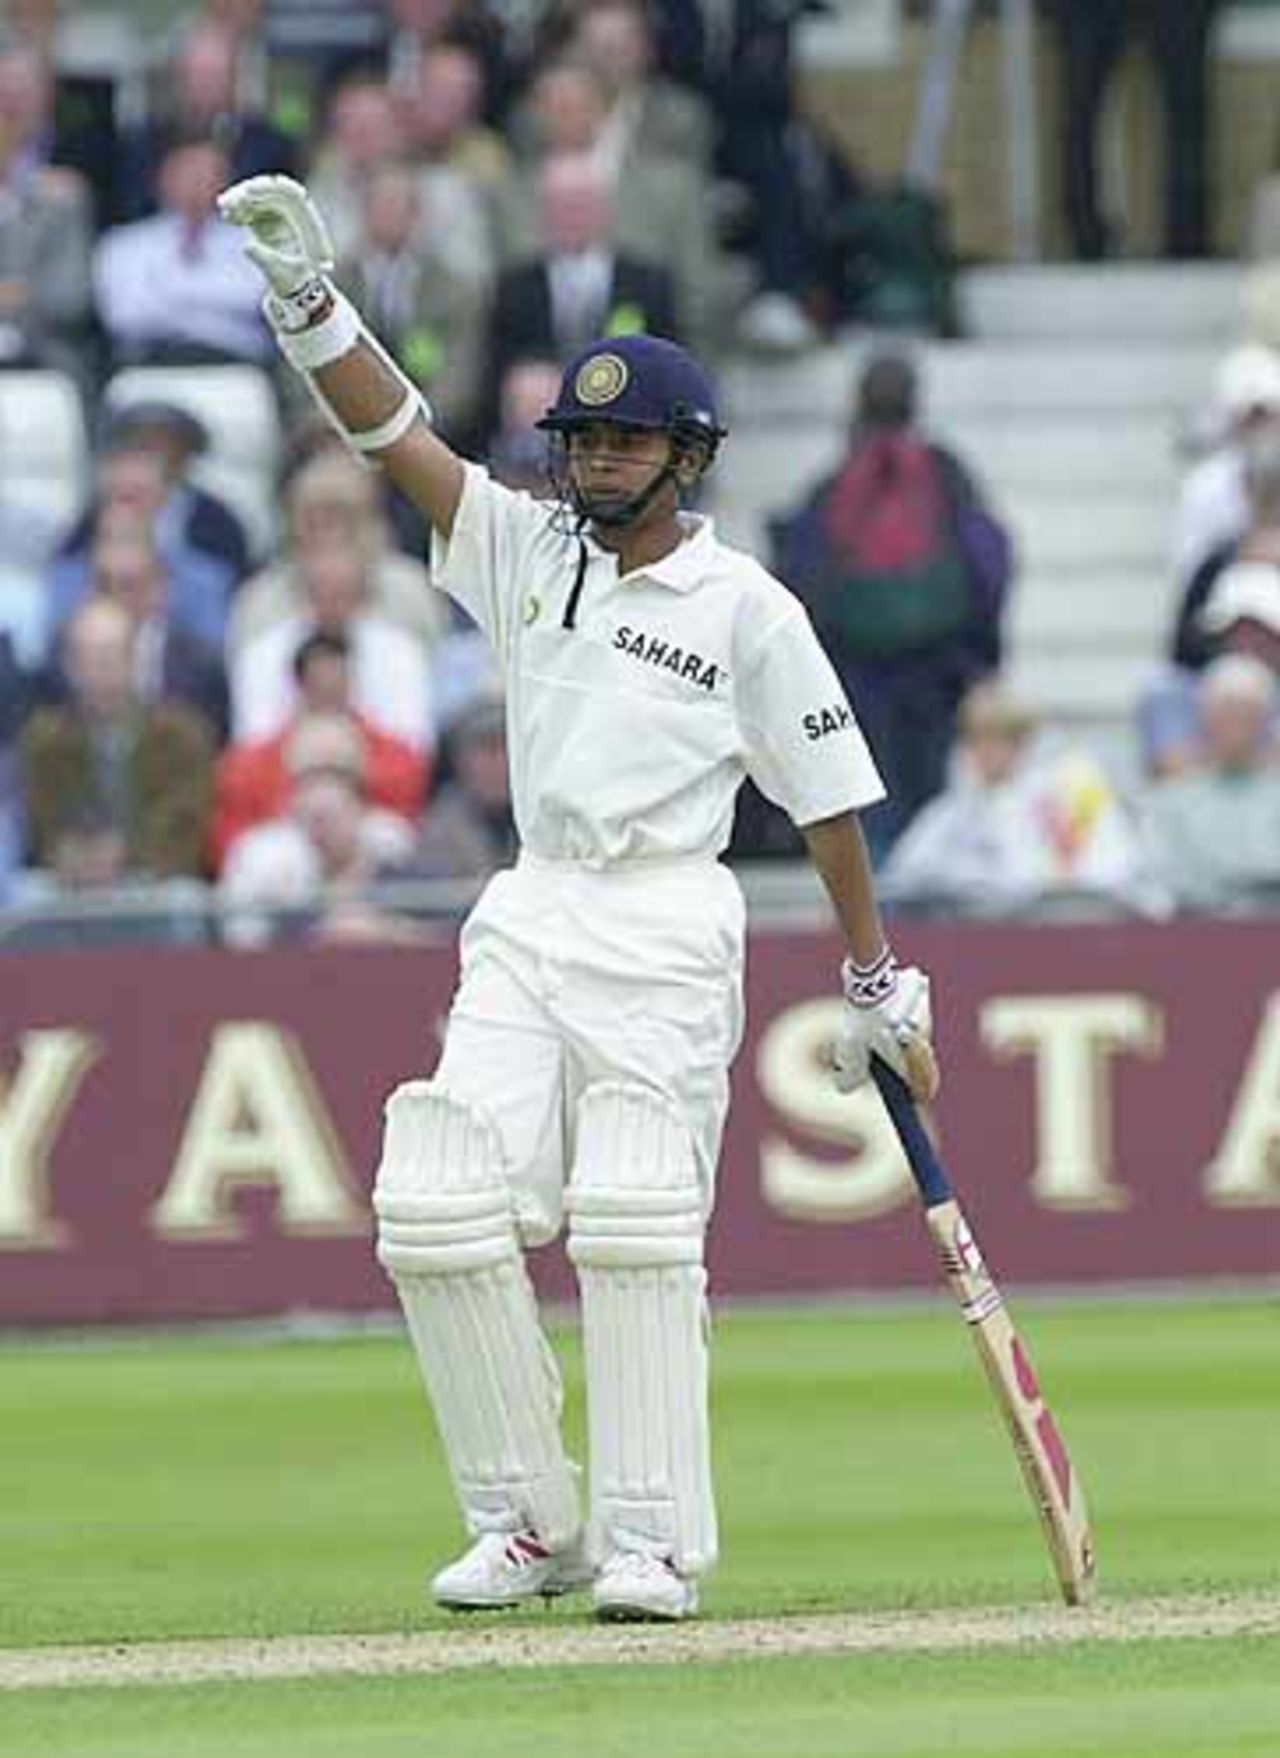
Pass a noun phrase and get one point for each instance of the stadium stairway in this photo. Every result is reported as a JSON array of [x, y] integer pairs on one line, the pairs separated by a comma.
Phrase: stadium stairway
[[1069, 397]]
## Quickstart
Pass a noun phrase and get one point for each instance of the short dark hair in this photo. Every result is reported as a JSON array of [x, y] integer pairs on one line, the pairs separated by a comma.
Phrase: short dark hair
[[888, 390], [330, 642]]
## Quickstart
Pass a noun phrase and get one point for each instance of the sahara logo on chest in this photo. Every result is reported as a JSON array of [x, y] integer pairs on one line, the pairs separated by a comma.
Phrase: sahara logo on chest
[[667, 656]]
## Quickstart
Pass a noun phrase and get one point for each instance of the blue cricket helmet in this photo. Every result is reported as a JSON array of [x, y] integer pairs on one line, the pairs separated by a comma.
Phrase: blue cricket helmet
[[638, 381]]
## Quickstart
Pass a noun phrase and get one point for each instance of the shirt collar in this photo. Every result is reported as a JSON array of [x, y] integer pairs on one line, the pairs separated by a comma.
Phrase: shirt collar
[[685, 566]]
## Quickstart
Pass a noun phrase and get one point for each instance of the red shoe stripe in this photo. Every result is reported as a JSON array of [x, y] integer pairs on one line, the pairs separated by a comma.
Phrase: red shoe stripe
[[524, 1548]]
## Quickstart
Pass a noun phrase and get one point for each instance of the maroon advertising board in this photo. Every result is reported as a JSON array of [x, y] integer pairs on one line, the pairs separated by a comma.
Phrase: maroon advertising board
[[193, 1133]]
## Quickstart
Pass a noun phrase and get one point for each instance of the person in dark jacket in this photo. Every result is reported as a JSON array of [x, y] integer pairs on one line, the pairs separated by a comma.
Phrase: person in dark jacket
[[147, 452], [578, 285], [905, 571], [1177, 34]]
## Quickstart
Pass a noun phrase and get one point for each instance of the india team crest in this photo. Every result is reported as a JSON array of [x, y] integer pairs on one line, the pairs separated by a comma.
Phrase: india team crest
[[601, 380]]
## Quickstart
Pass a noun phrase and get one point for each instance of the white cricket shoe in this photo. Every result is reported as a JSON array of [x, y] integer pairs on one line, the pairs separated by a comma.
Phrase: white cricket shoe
[[636, 1587], [509, 1568]]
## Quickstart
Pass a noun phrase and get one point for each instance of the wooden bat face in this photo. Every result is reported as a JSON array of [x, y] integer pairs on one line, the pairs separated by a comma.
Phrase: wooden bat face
[[1042, 1454]]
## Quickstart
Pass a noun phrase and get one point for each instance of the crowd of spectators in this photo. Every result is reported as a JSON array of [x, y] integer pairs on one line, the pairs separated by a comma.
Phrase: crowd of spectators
[[907, 570], [308, 728], [655, 170], [288, 722]]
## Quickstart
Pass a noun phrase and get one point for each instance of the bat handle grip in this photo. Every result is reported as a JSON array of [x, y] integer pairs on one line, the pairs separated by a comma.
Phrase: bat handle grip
[[926, 1167]]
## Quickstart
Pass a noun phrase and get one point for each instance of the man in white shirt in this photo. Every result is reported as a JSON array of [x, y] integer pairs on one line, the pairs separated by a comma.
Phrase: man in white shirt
[[648, 668], [390, 668], [1213, 505], [176, 286]]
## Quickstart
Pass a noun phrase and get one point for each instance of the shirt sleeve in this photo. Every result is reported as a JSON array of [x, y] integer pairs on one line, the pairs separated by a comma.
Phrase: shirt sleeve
[[483, 561], [805, 749]]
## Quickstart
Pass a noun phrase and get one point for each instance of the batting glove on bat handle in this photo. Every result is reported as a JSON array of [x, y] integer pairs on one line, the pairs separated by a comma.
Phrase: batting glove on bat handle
[[886, 1013]]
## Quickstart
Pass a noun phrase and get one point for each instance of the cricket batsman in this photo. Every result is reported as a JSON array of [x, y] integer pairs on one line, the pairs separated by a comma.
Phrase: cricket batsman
[[583, 1082]]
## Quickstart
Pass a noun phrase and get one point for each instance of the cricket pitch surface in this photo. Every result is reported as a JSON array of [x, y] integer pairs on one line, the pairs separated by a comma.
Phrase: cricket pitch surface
[[564, 1641]]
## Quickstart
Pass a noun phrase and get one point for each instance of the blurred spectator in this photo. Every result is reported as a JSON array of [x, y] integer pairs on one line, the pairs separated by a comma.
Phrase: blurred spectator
[[390, 672], [45, 241], [1214, 831], [1020, 824], [904, 571], [1213, 505], [366, 128], [431, 320], [178, 288], [418, 27], [518, 454], [1255, 539], [362, 131], [137, 775], [1241, 615], [662, 207], [320, 863], [469, 831], [1092, 37], [748, 71], [252, 781], [333, 499], [179, 438], [291, 53], [442, 113], [141, 479], [198, 96], [579, 285], [170, 663], [27, 538], [647, 115], [66, 121]]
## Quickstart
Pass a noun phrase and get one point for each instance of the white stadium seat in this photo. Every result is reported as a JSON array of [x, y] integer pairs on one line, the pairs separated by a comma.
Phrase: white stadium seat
[[237, 406], [43, 446]]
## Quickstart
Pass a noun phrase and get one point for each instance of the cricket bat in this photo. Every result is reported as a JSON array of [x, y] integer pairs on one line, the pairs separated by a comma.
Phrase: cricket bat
[[1051, 1479]]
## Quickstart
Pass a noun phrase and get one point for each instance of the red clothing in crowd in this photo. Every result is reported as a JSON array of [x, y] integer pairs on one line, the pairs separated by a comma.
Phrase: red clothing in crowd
[[251, 783]]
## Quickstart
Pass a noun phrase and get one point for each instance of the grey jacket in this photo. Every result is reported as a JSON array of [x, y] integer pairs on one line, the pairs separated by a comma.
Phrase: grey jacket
[[45, 243]]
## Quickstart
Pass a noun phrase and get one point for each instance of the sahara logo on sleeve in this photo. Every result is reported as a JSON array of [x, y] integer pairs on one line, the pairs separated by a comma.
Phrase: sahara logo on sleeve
[[822, 721]]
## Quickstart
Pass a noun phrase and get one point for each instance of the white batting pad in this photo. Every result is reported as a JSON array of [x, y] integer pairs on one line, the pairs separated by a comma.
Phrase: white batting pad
[[447, 1238], [635, 1238]]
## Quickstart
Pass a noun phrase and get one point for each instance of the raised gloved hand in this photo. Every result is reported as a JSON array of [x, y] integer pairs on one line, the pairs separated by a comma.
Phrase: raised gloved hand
[[887, 1014], [288, 240]]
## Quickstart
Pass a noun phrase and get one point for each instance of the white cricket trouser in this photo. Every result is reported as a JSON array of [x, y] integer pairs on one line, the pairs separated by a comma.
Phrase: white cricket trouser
[[572, 976]]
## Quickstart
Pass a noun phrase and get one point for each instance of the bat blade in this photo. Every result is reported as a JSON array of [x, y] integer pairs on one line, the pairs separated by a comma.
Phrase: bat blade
[[1052, 1481]]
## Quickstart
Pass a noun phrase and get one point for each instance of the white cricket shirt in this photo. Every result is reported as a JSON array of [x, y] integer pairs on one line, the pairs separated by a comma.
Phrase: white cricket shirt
[[637, 703]]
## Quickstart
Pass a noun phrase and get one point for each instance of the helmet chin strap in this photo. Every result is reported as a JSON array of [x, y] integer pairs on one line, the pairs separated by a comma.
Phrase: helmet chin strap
[[616, 514]]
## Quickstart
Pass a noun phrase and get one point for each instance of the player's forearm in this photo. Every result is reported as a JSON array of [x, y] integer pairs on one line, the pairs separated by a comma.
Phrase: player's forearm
[[839, 853], [360, 389], [364, 394]]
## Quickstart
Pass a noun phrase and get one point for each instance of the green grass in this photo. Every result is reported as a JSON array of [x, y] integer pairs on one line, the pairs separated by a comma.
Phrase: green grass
[[1177, 1700], [201, 1487]]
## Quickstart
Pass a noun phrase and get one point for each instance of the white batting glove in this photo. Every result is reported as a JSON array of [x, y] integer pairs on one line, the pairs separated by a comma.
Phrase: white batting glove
[[885, 1007], [288, 239]]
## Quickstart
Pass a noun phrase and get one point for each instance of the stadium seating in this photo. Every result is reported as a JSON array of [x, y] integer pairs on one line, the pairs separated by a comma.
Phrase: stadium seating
[[1069, 398], [43, 446]]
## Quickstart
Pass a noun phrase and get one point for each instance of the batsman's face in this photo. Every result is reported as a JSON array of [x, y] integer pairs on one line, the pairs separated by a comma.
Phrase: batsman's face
[[606, 456]]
